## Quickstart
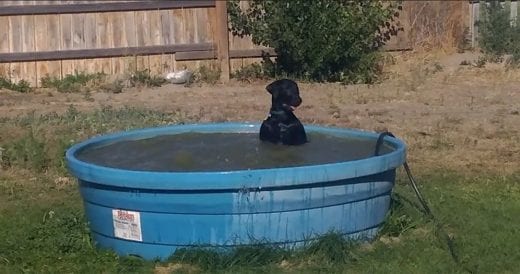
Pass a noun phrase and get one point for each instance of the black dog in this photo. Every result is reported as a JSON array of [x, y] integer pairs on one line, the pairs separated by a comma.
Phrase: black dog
[[282, 125]]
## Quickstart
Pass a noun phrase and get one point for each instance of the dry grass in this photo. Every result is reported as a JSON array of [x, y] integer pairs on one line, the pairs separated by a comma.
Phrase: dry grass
[[451, 116], [436, 24]]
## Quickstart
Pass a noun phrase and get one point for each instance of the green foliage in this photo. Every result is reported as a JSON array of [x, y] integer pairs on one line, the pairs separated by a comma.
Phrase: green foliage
[[399, 220], [84, 82], [27, 152], [57, 241], [143, 78], [319, 40], [207, 75], [77, 82], [329, 250], [498, 34], [215, 259], [27, 143], [44, 229], [74, 224], [22, 86], [251, 72]]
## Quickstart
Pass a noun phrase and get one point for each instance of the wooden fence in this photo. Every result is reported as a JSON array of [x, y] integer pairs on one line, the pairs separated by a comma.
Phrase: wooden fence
[[39, 38]]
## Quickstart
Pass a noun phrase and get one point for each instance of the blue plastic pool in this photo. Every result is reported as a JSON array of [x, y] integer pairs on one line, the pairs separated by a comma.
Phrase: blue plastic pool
[[151, 214]]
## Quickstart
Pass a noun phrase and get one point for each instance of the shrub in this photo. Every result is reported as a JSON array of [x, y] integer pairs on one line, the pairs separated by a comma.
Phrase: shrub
[[499, 35], [320, 39]]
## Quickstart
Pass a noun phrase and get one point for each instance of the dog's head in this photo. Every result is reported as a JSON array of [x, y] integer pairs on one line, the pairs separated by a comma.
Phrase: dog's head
[[285, 93]]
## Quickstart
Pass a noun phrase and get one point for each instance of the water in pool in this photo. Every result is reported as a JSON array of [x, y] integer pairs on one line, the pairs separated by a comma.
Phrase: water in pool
[[224, 152]]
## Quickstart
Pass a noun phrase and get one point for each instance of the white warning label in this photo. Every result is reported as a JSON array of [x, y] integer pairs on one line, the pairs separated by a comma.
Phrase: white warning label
[[127, 225]]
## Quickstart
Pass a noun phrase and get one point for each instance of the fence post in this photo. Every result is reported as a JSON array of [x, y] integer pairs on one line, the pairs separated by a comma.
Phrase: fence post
[[222, 38]]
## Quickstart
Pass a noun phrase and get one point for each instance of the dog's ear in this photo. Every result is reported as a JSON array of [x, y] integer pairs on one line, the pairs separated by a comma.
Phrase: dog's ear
[[273, 88]]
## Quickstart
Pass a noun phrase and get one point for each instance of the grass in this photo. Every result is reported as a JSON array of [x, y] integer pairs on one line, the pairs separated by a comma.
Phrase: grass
[[22, 86], [143, 78], [250, 73], [77, 82], [44, 229], [86, 82], [207, 74]]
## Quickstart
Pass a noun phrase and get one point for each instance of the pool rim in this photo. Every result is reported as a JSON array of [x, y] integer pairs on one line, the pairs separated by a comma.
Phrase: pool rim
[[232, 179]]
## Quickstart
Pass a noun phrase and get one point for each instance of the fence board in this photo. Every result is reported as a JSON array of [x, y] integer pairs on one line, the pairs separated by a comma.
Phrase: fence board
[[53, 31], [78, 40], [203, 34], [103, 41], [167, 39], [67, 66], [143, 38], [41, 36], [177, 24], [4, 46], [156, 66], [91, 42], [189, 25], [15, 45], [88, 7], [28, 69], [130, 32], [102, 52], [119, 40], [131, 39]]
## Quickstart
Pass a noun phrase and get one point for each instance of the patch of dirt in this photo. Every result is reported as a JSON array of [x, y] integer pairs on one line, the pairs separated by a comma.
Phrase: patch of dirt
[[451, 116]]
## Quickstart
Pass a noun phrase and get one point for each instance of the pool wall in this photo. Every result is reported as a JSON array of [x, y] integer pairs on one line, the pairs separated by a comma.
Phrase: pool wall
[[151, 214]]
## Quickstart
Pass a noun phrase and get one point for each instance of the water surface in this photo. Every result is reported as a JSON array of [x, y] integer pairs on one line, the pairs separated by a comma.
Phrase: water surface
[[224, 152]]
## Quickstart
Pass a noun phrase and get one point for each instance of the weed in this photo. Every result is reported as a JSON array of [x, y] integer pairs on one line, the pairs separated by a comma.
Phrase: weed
[[143, 78], [420, 72], [440, 142], [249, 73], [45, 231], [481, 62], [417, 77], [77, 82], [27, 152], [329, 249], [464, 41], [207, 75], [22, 86], [465, 63], [39, 142], [398, 221], [74, 223], [88, 97], [437, 67], [116, 86], [58, 241], [215, 259]]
